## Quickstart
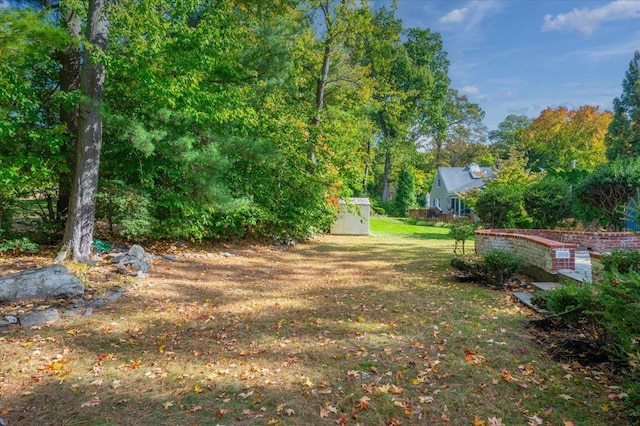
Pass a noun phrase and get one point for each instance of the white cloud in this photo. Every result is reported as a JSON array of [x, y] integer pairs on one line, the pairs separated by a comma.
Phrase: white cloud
[[471, 14], [456, 15], [469, 90], [587, 20]]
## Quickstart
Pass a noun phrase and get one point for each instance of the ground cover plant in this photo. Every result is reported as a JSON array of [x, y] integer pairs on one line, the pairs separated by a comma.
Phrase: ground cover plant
[[341, 330]]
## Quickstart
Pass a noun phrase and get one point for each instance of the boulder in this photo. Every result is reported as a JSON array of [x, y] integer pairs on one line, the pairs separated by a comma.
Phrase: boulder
[[48, 282], [39, 318]]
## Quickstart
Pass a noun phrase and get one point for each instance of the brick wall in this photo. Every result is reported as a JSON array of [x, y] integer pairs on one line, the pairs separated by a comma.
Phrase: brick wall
[[546, 254], [598, 241]]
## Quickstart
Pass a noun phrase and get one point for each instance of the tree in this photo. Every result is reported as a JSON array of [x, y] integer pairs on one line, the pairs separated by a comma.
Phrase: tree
[[406, 191], [457, 133], [509, 134], [609, 188], [547, 201], [30, 137], [563, 139], [78, 235], [623, 138]]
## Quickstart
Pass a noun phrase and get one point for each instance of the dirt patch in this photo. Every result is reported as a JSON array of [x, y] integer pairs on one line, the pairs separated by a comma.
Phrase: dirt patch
[[566, 342]]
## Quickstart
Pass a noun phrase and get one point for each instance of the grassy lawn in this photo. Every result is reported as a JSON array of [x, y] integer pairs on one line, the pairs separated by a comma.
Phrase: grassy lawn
[[343, 330]]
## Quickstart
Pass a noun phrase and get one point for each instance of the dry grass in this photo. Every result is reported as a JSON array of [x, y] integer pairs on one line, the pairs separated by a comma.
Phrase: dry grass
[[345, 330]]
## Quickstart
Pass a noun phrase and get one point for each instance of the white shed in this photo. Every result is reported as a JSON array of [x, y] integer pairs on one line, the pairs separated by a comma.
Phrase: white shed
[[352, 219]]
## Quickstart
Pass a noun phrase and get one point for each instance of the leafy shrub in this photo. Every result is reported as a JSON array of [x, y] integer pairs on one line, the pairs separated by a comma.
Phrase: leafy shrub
[[570, 300], [127, 211], [495, 267], [622, 261], [500, 266], [460, 232], [547, 202], [501, 207], [18, 245]]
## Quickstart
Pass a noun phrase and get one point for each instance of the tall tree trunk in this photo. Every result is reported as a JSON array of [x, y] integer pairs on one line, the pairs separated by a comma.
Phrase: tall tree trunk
[[78, 235], [69, 82], [386, 175]]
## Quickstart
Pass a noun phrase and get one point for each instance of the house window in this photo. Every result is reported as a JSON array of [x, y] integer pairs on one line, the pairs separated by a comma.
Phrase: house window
[[439, 183], [436, 202]]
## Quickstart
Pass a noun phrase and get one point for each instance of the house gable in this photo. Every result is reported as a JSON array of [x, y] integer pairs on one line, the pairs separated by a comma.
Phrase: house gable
[[451, 181]]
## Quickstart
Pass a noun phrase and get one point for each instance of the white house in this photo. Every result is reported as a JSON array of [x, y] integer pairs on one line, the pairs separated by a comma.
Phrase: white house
[[450, 182]]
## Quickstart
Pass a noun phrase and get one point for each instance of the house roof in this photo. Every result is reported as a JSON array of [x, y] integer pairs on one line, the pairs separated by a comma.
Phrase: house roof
[[461, 179]]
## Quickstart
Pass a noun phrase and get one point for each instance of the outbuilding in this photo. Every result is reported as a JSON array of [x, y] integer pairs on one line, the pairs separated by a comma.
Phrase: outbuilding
[[352, 217]]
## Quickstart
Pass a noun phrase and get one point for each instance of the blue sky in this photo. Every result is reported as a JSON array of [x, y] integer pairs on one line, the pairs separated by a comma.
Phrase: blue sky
[[521, 56]]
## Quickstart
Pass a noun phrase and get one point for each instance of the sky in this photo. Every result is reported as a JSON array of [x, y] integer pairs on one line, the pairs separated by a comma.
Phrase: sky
[[522, 56]]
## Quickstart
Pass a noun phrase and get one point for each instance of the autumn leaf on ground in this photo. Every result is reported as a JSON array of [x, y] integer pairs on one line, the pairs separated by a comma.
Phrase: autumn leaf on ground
[[363, 403], [494, 421], [219, 413], [167, 404], [93, 402], [196, 408], [324, 412], [506, 375], [535, 421]]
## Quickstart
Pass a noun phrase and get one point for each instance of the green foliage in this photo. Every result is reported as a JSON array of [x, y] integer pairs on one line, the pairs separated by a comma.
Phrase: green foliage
[[621, 261], [623, 137], [494, 267], [609, 188], [500, 207], [18, 245], [572, 301], [127, 211], [500, 265], [547, 202], [461, 231], [406, 192]]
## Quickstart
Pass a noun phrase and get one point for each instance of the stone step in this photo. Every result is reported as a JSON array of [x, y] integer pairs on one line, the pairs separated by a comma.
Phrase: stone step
[[525, 298], [546, 286]]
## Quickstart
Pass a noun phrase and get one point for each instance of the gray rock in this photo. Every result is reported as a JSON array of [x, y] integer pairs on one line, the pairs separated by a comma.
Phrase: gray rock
[[122, 268], [116, 257], [98, 303], [141, 266], [70, 313], [39, 318], [4, 323], [12, 319], [88, 311], [48, 282], [170, 257], [113, 296], [137, 252]]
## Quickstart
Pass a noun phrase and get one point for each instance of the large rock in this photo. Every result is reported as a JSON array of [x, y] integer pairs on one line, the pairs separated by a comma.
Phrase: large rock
[[50, 281]]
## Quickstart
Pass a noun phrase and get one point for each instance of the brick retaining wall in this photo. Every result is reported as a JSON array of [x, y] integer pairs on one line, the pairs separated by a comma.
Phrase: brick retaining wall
[[597, 241], [544, 253]]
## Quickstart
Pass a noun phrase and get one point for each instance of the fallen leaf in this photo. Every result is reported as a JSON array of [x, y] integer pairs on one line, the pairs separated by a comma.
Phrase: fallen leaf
[[196, 408], [219, 413], [324, 412], [478, 422], [494, 421], [565, 396], [506, 375], [93, 402], [167, 404], [364, 403], [535, 421], [289, 412]]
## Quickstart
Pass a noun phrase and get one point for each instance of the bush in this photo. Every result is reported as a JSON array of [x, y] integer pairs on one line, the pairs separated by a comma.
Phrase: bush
[[500, 265], [495, 267], [501, 207], [18, 245], [571, 301], [622, 261], [547, 202], [460, 232]]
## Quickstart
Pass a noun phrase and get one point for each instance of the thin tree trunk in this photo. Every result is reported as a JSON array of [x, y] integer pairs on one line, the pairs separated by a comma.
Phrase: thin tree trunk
[[78, 236], [386, 175], [69, 82]]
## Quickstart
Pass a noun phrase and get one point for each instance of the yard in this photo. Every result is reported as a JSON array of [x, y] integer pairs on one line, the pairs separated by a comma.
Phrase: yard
[[342, 330]]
